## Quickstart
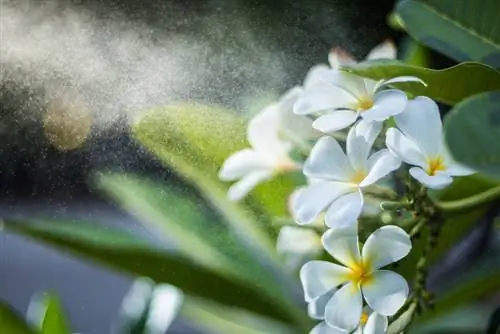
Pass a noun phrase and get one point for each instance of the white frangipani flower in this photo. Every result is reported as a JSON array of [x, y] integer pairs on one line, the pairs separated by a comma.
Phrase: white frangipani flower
[[369, 323], [359, 276], [270, 135], [339, 57], [341, 98], [419, 141], [341, 178]]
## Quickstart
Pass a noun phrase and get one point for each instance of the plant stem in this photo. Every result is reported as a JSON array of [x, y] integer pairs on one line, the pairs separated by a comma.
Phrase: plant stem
[[382, 192], [389, 205], [416, 229], [469, 202]]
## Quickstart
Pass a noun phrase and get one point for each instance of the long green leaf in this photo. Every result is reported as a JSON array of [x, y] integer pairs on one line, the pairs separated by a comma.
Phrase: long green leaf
[[472, 130], [12, 322], [219, 319], [196, 139], [463, 320], [450, 85], [461, 29], [173, 134], [172, 211], [197, 233], [46, 311], [119, 250], [479, 281]]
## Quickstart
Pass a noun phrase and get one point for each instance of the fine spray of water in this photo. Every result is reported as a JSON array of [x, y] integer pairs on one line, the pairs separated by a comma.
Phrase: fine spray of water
[[112, 67]]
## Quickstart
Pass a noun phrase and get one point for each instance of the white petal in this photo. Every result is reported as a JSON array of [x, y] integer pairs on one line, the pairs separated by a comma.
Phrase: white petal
[[421, 123], [339, 57], [386, 104], [380, 164], [288, 99], [242, 163], [345, 210], [263, 132], [385, 50], [292, 199], [296, 126], [386, 245], [164, 307], [316, 308], [335, 121], [323, 328], [351, 83], [369, 130], [314, 199], [456, 169], [343, 245], [328, 161], [322, 97], [298, 240], [319, 277], [241, 188], [376, 324], [404, 148], [316, 75], [383, 83], [438, 181], [385, 292], [344, 310], [357, 149]]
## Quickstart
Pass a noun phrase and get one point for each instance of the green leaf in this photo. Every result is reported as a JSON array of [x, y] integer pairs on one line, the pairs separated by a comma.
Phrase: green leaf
[[464, 320], [12, 322], [214, 318], [461, 29], [450, 85], [480, 280], [414, 53], [175, 213], [195, 140], [472, 128], [120, 250], [46, 312], [199, 234]]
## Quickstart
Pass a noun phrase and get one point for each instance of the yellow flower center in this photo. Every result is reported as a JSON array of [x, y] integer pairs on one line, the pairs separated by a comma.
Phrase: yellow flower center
[[364, 318], [358, 176], [365, 102], [285, 165], [360, 273], [434, 165]]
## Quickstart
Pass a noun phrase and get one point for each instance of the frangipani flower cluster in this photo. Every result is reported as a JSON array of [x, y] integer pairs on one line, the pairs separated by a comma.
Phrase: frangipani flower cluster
[[356, 294], [359, 276], [342, 177], [272, 134]]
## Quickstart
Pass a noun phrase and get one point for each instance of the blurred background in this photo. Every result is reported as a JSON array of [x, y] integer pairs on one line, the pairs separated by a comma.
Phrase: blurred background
[[75, 73]]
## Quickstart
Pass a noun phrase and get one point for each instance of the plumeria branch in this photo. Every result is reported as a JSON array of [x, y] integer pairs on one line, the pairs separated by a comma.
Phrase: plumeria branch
[[469, 202]]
